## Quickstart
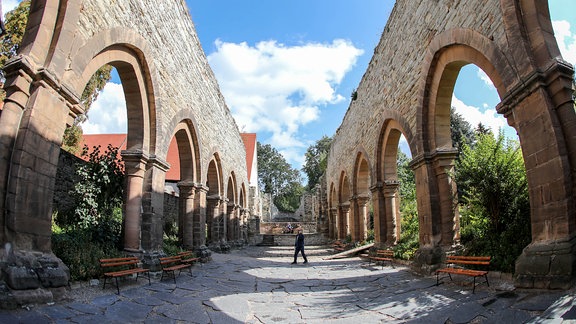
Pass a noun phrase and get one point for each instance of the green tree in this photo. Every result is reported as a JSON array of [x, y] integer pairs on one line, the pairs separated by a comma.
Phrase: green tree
[[15, 25], [277, 177], [409, 240], [460, 130], [495, 207], [316, 160], [98, 192]]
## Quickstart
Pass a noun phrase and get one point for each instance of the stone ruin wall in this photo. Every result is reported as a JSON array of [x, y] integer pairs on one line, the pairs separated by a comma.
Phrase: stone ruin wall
[[186, 85], [391, 86]]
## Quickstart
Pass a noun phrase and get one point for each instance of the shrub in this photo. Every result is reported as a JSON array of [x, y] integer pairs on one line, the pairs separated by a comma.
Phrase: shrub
[[81, 254]]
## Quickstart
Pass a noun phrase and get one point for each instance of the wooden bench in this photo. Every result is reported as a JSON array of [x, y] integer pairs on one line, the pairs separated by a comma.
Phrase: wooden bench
[[171, 264], [120, 267], [382, 256], [187, 257], [455, 265]]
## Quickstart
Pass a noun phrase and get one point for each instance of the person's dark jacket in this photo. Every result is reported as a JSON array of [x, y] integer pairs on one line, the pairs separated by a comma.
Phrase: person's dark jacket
[[299, 240]]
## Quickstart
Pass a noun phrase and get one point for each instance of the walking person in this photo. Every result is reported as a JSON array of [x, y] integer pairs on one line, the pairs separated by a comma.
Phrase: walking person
[[299, 246]]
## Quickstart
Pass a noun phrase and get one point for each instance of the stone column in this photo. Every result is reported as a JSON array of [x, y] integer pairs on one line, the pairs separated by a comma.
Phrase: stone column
[[542, 108], [135, 165], [390, 194], [380, 216], [354, 219], [343, 220], [17, 86], [362, 218], [231, 227], [186, 213], [429, 253], [199, 215], [212, 215], [32, 156], [244, 224], [153, 204], [450, 219], [333, 213]]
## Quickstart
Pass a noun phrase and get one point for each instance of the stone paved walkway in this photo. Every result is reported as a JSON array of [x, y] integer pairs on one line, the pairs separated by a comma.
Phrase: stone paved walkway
[[259, 285]]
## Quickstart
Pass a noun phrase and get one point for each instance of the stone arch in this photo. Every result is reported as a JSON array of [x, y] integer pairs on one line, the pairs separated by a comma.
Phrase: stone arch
[[231, 222], [188, 155], [450, 51], [126, 51], [442, 75], [385, 193], [333, 225], [215, 200], [139, 155], [65, 42], [344, 196], [360, 200]]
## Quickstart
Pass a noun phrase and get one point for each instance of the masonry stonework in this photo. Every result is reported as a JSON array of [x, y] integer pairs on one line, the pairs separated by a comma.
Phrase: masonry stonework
[[407, 90], [170, 92]]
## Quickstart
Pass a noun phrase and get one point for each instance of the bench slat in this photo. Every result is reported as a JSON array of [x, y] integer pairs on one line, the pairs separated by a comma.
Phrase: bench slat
[[454, 261], [124, 267]]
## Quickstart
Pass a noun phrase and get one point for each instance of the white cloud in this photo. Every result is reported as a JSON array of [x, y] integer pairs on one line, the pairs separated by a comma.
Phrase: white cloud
[[8, 5], [566, 40], [484, 77], [108, 114], [271, 87], [474, 115]]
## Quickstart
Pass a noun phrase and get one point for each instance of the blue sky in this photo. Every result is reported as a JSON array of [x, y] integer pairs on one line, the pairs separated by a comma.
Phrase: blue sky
[[287, 68]]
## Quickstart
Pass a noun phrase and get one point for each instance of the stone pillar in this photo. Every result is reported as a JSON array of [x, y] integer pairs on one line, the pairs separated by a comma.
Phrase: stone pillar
[[135, 165], [186, 213], [199, 215], [343, 220], [449, 215], [542, 109], [429, 254], [353, 219], [362, 218], [17, 87], [223, 220], [390, 194], [333, 214], [244, 224], [231, 230], [153, 205], [32, 157], [212, 217], [380, 220]]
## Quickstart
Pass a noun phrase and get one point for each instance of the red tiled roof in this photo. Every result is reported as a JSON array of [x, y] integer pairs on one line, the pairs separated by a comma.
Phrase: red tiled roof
[[249, 140], [119, 140], [173, 174]]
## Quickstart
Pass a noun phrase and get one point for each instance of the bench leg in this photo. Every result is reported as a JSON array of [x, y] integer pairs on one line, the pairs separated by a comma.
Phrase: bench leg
[[117, 285]]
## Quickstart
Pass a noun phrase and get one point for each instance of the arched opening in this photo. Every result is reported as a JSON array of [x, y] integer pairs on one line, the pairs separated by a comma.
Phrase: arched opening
[[396, 220], [362, 212], [333, 226], [214, 200], [344, 208], [231, 222], [493, 202]]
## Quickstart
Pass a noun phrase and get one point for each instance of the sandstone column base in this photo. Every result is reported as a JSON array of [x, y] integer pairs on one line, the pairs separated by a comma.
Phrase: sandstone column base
[[427, 259], [549, 265]]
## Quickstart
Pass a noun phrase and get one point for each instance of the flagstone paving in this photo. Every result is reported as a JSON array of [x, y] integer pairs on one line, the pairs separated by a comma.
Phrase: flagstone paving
[[259, 285]]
